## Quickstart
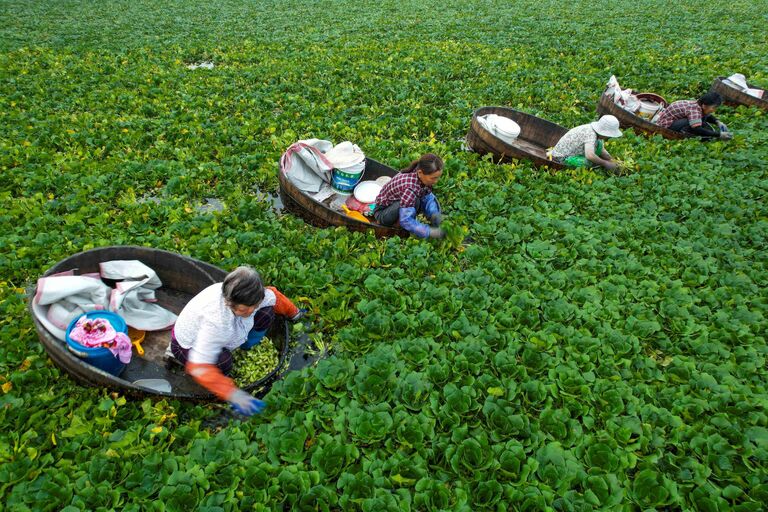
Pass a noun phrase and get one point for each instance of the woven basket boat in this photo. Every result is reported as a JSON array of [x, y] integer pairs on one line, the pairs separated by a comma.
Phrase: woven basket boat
[[536, 136], [734, 97], [182, 277], [320, 214]]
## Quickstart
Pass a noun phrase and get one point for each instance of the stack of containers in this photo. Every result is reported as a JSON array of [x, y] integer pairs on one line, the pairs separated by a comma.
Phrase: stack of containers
[[348, 166]]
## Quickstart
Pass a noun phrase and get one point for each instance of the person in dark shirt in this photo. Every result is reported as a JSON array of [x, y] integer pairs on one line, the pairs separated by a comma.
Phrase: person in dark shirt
[[695, 117]]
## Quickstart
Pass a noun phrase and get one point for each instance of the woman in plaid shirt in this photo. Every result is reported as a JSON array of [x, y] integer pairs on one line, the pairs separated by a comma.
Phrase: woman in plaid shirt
[[410, 193], [694, 117]]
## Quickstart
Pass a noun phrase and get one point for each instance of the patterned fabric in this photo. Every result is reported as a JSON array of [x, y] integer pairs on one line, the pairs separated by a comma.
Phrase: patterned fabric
[[206, 325], [575, 142], [404, 187], [682, 109], [93, 332], [224, 364], [98, 332], [263, 318]]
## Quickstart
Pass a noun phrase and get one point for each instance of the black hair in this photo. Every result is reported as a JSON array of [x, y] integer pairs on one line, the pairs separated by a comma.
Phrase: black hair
[[428, 164], [243, 286], [711, 98]]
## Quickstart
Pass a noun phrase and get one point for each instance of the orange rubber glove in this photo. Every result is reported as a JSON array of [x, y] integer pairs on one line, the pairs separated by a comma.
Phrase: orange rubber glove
[[284, 306], [211, 378]]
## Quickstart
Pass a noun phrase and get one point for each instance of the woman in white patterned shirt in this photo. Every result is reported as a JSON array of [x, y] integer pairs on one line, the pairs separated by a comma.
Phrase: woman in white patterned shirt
[[584, 146]]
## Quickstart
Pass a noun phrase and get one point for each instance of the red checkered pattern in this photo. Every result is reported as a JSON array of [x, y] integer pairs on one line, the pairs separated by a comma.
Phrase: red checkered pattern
[[404, 187], [683, 109]]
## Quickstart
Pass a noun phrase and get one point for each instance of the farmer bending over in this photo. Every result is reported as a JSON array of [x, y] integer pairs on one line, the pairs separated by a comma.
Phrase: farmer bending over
[[410, 193], [584, 146], [225, 316], [695, 117]]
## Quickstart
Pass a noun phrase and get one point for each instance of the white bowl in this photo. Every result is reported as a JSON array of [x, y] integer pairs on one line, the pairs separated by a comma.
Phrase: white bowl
[[366, 191], [506, 127], [502, 127]]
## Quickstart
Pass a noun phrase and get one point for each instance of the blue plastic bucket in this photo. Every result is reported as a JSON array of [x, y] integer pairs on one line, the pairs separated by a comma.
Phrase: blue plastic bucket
[[99, 357], [344, 180]]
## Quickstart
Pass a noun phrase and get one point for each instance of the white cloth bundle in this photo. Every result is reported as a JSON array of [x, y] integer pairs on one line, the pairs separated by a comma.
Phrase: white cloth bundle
[[61, 298], [305, 164], [134, 295], [739, 82], [623, 97]]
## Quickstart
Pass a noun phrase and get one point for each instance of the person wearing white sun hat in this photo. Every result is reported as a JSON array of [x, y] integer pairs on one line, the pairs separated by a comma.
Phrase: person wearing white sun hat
[[584, 146]]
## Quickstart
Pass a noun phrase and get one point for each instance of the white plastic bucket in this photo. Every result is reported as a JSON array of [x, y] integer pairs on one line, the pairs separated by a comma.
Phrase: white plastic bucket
[[648, 109], [344, 179]]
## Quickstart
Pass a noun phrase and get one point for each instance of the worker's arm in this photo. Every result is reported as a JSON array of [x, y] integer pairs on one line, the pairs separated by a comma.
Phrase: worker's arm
[[210, 377], [408, 222], [431, 209], [589, 152], [202, 359], [201, 366], [284, 306], [703, 131]]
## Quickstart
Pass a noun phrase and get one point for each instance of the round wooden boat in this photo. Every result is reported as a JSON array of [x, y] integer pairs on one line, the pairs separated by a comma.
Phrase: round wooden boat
[[627, 119], [320, 214], [734, 97], [182, 279], [536, 136]]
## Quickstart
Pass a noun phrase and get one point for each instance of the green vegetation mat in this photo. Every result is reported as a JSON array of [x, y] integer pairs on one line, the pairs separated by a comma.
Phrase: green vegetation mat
[[598, 343]]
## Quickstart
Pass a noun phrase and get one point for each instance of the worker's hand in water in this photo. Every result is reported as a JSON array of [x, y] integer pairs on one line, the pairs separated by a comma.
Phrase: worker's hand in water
[[245, 404], [436, 219], [726, 135], [436, 233]]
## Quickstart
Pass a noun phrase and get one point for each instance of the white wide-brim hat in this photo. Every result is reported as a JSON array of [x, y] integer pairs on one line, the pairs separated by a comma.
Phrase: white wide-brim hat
[[607, 126], [738, 79]]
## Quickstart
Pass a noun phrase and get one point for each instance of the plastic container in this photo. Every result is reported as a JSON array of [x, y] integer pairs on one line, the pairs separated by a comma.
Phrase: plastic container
[[99, 357], [367, 191], [344, 179], [648, 109], [355, 205], [652, 96]]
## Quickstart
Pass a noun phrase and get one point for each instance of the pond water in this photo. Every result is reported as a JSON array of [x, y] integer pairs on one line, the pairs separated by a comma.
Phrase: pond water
[[213, 204]]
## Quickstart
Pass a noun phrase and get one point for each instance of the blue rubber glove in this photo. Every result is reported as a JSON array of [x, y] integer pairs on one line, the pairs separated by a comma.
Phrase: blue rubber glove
[[254, 338], [298, 316], [430, 207], [245, 404], [407, 218]]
